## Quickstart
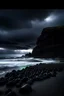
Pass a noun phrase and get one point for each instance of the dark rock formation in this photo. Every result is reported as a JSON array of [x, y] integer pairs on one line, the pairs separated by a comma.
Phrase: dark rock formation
[[28, 55], [11, 83], [50, 43], [2, 81], [24, 78]]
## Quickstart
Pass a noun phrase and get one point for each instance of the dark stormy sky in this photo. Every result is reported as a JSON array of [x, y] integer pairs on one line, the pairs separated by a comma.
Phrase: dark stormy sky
[[20, 28]]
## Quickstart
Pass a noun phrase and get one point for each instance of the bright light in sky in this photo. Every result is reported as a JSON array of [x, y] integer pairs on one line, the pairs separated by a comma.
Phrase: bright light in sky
[[43, 23], [50, 18], [24, 51], [2, 48]]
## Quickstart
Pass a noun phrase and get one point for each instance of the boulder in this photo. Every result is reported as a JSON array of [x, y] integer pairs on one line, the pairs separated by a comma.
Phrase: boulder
[[2, 81], [24, 79], [11, 83], [19, 84]]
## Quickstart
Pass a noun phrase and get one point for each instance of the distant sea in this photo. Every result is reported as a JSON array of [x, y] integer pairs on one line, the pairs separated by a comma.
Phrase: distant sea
[[17, 62]]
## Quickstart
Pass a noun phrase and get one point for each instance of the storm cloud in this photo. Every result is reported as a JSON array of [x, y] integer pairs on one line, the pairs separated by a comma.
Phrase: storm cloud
[[19, 29], [15, 19]]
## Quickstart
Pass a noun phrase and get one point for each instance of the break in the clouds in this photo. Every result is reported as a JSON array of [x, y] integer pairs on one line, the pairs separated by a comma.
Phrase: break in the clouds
[[9, 51], [19, 29]]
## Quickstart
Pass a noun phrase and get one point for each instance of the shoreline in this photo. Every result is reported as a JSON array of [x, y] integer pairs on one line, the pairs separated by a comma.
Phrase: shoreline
[[38, 83]]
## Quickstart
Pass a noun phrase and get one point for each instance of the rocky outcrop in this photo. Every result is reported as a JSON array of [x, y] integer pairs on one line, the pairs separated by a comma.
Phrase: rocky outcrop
[[28, 55], [50, 43]]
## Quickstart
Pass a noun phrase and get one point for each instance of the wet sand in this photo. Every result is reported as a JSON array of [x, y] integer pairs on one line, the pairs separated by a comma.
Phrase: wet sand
[[53, 86]]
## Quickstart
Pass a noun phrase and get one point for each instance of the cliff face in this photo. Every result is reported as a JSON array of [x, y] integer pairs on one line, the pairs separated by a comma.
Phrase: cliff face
[[50, 43]]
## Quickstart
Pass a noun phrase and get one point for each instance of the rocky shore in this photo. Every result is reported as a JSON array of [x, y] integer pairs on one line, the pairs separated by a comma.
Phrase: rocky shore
[[19, 83]]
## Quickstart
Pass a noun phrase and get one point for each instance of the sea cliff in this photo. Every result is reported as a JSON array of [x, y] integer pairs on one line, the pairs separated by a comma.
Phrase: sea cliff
[[50, 44]]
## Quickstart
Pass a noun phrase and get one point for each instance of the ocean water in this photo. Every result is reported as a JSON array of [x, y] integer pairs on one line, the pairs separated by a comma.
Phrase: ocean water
[[17, 62]]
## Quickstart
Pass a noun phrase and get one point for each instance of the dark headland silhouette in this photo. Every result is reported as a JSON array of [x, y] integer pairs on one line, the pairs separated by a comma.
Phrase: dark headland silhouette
[[50, 44]]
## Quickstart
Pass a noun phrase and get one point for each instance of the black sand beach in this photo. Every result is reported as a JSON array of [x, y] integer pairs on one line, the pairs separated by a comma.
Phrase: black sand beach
[[50, 85]]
